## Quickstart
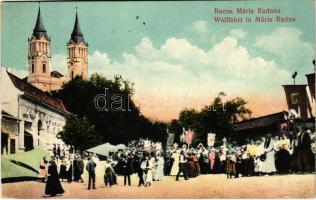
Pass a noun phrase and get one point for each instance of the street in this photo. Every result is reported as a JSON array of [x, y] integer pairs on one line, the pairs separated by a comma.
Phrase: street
[[204, 186]]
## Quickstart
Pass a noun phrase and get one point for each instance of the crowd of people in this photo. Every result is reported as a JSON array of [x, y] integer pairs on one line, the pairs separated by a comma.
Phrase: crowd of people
[[287, 153]]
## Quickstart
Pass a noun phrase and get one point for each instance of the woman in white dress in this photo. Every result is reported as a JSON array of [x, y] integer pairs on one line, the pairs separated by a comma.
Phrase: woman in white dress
[[159, 170], [147, 173], [175, 166], [268, 166]]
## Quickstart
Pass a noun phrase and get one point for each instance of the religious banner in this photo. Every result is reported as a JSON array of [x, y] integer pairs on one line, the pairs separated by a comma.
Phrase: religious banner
[[148, 75], [170, 139], [311, 84], [188, 136], [296, 99], [211, 139], [182, 138]]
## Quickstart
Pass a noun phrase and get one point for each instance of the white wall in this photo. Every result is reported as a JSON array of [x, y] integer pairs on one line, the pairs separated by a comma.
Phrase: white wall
[[9, 94], [24, 109]]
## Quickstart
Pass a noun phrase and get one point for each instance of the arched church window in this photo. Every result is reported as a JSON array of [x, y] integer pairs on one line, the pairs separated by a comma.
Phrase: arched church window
[[44, 68], [32, 67], [72, 74]]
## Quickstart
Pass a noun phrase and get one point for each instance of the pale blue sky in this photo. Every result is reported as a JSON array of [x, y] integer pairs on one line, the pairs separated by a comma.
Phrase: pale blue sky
[[113, 34]]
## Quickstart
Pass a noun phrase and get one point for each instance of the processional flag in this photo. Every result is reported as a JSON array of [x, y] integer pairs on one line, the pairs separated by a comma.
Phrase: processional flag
[[170, 139], [189, 136], [296, 98], [211, 139]]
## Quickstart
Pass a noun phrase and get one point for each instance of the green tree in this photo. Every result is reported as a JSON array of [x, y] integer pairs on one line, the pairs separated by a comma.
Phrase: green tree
[[79, 132], [176, 128], [188, 118], [111, 125], [219, 117]]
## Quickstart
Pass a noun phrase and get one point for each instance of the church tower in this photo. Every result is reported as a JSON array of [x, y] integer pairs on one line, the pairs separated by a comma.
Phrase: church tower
[[77, 49], [39, 56]]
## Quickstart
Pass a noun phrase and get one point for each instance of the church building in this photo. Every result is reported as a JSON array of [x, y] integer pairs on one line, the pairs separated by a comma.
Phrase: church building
[[30, 117], [39, 55]]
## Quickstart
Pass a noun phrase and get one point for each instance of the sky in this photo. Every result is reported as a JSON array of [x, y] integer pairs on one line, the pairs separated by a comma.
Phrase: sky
[[180, 58]]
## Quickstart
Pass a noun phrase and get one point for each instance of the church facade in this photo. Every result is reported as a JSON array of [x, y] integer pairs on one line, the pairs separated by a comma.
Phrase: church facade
[[30, 117], [39, 55]]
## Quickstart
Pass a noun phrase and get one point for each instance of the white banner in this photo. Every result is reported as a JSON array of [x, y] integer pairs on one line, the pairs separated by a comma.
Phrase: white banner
[[170, 139], [211, 139], [182, 138], [189, 136]]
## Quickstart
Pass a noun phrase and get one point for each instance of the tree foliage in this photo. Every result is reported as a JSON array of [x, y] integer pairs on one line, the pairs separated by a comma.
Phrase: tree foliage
[[218, 118], [79, 132], [93, 126], [122, 120]]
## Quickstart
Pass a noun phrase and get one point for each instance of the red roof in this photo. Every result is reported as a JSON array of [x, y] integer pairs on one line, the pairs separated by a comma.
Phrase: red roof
[[37, 93]]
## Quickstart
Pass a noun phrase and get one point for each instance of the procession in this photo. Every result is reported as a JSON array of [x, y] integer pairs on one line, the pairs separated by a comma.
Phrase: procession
[[157, 100], [292, 153]]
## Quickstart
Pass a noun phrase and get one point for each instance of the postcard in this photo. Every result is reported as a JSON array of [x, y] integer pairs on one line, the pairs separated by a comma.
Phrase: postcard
[[158, 99]]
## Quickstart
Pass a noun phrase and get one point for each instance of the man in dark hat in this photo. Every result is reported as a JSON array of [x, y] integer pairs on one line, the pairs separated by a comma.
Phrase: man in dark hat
[[127, 169], [91, 165], [182, 166]]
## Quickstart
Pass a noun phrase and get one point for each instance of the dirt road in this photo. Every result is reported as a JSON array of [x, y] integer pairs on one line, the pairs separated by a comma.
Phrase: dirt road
[[205, 186]]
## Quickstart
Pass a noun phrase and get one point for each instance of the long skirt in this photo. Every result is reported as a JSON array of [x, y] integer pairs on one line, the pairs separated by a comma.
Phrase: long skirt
[[306, 161], [293, 162], [282, 161], [159, 173], [205, 167], [192, 172], [230, 167], [258, 165], [249, 166], [69, 175], [62, 172], [167, 168], [53, 186], [109, 178], [218, 168], [174, 168], [268, 166], [197, 165], [148, 177]]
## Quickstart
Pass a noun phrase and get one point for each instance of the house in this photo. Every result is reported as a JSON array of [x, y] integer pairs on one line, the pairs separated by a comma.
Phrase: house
[[260, 126], [30, 117]]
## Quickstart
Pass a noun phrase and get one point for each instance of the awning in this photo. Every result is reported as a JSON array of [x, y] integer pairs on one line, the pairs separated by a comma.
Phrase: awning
[[31, 159], [104, 149], [12, 170]]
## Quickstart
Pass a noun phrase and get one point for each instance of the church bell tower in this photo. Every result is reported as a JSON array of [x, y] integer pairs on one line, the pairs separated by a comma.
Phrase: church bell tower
[[77, 49], [39, 56]]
